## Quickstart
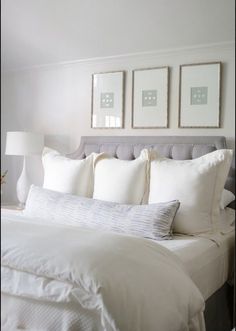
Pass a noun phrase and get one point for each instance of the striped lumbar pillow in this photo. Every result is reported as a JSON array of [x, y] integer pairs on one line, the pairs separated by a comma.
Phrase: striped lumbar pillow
[[152, 221]]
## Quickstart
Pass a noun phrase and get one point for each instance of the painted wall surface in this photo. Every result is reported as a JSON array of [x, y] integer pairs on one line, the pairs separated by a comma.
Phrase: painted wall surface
[[43, 32], [56, 101]]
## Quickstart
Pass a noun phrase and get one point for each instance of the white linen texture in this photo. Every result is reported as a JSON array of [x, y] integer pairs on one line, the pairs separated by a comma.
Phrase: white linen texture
[[65, 175], [37, 315], [122, 181], [132, 283], [148, 221], [198, 185]]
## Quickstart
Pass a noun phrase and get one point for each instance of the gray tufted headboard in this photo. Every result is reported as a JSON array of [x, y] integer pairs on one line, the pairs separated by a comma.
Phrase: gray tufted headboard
[[175, 147]]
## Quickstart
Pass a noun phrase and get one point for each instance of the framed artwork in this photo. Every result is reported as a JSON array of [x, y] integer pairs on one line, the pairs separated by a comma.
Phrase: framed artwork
[[199, 95], [108, 100], [150, 98]]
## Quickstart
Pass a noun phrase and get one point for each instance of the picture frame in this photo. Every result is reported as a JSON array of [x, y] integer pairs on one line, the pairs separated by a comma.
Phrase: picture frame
[[150, 94], [200, 95], [107, 101]]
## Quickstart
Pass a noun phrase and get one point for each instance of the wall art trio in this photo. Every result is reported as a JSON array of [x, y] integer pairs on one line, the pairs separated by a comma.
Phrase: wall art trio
[[199, 97]]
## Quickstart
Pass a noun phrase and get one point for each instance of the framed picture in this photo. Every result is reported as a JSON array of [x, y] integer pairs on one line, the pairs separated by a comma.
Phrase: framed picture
[[108, 100], [150, 98], [199, 95]]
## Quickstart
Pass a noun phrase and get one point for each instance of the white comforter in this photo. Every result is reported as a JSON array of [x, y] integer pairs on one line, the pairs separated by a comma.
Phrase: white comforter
[[135, 284]]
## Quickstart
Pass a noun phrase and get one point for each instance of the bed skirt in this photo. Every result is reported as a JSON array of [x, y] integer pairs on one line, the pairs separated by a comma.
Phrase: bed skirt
[[219, 311]]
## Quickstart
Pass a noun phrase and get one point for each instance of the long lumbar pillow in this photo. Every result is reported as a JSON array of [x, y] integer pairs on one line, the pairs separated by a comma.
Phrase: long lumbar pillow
[[148, 221], [198, 185], [66, 175]]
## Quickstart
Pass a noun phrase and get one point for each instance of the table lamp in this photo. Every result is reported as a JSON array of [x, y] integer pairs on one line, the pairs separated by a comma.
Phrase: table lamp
[[23, 143]]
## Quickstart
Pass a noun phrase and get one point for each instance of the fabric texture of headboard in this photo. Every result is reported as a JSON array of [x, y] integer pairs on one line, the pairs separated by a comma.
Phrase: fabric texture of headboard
[[174, 147]]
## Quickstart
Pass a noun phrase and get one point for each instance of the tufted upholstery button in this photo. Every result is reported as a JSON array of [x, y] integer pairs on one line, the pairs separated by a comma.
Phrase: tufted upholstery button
[[163, 150], [89, 148], [109, 149], [182, 152], [200, 150], [138, 148], [125, 152]]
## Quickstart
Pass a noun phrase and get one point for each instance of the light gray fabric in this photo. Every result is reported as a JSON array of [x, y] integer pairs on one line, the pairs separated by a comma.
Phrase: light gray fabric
[[129, 147], [174, 147], [152, 221]]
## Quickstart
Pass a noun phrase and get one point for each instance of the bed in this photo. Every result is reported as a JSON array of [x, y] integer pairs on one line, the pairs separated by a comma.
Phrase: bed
[[208, 261]]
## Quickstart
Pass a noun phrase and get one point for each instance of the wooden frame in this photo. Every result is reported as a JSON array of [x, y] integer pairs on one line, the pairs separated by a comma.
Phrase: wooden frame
[[164, 83], [114, 94], [211, 93]]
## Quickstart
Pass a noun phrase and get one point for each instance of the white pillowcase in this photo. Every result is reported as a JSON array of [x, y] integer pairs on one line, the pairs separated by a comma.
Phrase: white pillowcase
[[197, 184], [226, 198], [121, 181], [66, 175]]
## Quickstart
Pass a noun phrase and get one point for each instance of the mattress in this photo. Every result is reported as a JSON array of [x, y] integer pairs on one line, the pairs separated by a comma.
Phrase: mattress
[[208, 259]]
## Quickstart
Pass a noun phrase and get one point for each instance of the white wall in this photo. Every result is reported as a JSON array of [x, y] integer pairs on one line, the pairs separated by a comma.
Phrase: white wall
[[56, 100], [42, 32]]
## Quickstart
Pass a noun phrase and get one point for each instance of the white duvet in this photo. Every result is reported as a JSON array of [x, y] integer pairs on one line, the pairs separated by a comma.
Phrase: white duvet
[[135, 284]]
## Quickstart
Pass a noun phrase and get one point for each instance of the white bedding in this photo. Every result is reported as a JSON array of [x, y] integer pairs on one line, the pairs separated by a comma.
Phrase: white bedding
[[19, 313], [208, 264], [128, 280], [209, 259]]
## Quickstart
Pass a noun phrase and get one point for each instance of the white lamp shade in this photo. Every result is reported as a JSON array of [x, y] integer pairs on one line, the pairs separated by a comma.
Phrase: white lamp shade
[[24, 143]]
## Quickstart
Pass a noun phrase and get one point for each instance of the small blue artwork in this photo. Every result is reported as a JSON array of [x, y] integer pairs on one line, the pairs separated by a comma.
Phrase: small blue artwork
[[149, 98], [107, 100], [199, 95]]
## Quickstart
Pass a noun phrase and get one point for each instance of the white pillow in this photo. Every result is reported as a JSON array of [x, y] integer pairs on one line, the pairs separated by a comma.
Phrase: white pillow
[[66, 175], [121, 181], [148, 221], [226, 198], [197, 184]]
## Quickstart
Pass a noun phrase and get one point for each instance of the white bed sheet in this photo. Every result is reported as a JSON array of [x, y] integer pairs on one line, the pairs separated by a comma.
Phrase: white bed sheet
[[208, 259], [209, 265]]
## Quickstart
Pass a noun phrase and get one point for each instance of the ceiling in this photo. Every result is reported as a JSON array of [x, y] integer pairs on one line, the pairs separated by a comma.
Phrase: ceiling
[[38, 32]]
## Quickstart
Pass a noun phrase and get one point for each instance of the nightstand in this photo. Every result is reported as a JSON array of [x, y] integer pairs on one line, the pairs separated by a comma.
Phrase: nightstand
[[11, 209]]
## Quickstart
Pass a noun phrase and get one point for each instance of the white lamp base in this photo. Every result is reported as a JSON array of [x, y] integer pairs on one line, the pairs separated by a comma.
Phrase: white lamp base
[[23, 185]]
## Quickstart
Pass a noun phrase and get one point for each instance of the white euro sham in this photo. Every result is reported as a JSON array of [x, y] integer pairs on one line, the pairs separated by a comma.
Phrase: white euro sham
[[197, 184], [121, 181], [66, 175]]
